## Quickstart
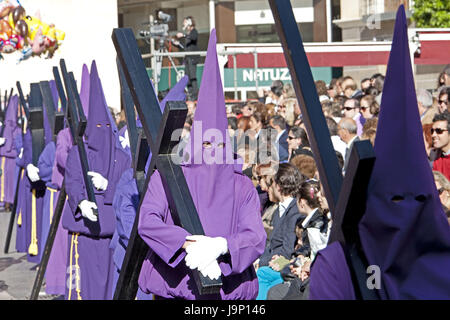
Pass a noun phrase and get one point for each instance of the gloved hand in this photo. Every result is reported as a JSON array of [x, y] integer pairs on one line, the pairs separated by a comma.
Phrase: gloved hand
[[86, 208], [2, 141], [98, 181], [21, 153], [204, 250], [33, 173], [125, 140], [212, 271]]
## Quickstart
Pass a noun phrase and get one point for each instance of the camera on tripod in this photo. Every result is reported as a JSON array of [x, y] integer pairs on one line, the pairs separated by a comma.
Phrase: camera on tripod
[[160, 28]]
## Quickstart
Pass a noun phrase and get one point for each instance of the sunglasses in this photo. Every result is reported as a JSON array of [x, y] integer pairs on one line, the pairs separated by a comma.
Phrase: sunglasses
[[437, 130], [348, 108], [443, 101], [291, 138], [440, 190], [364, 108]]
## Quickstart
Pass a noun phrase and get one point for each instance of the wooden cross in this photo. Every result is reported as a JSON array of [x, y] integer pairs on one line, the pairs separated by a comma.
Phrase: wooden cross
[[158, 129], [346, 197]]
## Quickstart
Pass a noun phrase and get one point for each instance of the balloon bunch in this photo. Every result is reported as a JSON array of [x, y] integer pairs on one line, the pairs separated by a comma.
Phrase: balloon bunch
[[26, 34]]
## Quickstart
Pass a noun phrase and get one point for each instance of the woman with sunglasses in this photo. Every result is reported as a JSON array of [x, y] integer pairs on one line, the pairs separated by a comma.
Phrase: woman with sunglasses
[[443, 187], [443, 100]]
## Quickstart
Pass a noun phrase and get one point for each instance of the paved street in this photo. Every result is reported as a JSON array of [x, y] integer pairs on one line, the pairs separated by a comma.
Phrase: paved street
[[16, 273]]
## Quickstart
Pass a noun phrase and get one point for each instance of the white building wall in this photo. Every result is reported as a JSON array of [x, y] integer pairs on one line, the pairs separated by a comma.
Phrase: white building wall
[[88, 26]]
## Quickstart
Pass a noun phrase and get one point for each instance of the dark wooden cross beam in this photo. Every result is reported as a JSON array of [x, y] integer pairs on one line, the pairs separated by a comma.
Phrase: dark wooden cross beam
[[55, 118], [158, 129], [77, 123], [48, 99], [10, 95], [346, 201], [36, 122]]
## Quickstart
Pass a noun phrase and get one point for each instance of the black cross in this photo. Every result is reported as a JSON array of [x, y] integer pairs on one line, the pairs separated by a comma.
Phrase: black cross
[[346, 198], [158, 129], [57, 124], [36, 120]]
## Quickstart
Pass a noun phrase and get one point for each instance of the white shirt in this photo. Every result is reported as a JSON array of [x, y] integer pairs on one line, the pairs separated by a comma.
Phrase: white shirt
[[339, 145], [279, 135], [284, 205]]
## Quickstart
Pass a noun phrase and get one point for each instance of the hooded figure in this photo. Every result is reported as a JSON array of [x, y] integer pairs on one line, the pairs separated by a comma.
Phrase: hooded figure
[[404, 230], [126, 199], [35, 184], [8, 153], [55, 277], [90, 258], [226, 202]]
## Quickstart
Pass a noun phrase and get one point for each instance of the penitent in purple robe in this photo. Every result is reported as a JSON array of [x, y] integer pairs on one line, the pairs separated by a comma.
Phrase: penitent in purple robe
[[126, 198], [56, 268], [404, 231], [88, 247], [8, 153], [20, 166], [226, 201]]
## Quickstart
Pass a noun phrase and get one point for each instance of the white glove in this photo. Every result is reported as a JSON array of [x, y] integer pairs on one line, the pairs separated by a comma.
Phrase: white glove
[[204, 251], [212, 271], [21, 153], [86, 208], [33, 173], [2, 141], [125, 140], [99, 182]]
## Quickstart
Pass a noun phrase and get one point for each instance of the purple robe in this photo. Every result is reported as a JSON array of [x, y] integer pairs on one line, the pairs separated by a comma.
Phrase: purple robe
[[125, 204], [56, 268], [8, 153], [330, 277], [90, 248], [45, 166], [227, 204]]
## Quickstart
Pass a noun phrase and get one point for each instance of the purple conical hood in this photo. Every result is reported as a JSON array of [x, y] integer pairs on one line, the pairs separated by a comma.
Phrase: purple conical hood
[[210, 118], [84, 90], [176, 93], [404, 230], [99, 131]]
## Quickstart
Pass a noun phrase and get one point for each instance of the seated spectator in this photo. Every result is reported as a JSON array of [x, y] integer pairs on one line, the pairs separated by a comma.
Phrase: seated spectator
[[443, 100], [369, 108], [350, 88], [232, 126], [370, 130], [278, 123], [365, 84], [441, 142], [315, 230], [298, 143], [282, 240], [443, 187], [424, 104], [372, 91], [352, 110], [347, 132], [338, 145], [428, 141], [305, 164]]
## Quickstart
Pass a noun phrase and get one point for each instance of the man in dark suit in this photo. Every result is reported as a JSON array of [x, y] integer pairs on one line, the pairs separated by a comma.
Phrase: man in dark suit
[[347, 129], [282, 239], [278, 123]]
